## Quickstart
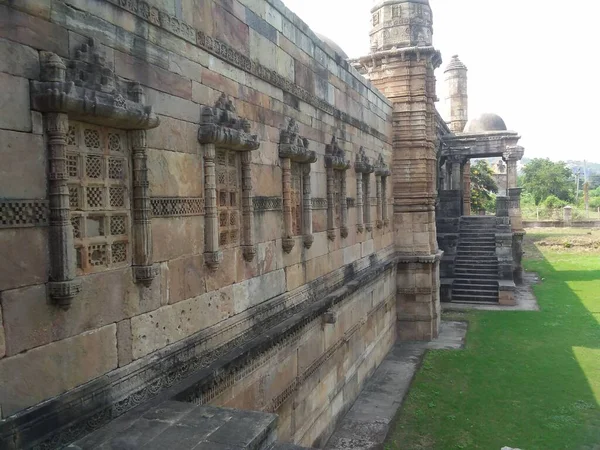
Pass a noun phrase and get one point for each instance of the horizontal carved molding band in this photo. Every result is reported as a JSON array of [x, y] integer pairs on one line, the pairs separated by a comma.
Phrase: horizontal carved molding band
[[415, 291], [267, 203], [185, 31], [23, 213], [177, 206], [319, 203]]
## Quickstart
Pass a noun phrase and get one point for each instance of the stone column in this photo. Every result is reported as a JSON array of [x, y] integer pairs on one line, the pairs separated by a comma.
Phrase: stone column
[[467, 189], [568, 215], [384, 206], [379, 220], [288, 241], [248, 249], [212, 255], [456, 177], [63, 286], [344, 208], [359, 202], [512, 156], [143, 270], [307, 206], [330, 205], [367, 195]]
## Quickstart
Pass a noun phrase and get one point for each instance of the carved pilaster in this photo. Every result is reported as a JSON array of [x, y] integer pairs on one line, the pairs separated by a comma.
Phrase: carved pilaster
[[344, 208], [142, 231], [379, 220], [212, 255], [367, 194], [248, 249], [384, 206], [307, 206], [359, 202], [330, 205], [335, 160], [63, 286], [288, 241]]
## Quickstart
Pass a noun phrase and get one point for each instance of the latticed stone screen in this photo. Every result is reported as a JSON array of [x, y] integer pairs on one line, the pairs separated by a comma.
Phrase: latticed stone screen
[[228, 197], [99, 196], [296, 198], [337, 197]]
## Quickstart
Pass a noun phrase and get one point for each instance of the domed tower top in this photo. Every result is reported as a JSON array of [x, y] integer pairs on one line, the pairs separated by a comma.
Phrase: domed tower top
[[401, 24], [457, 95], [455, 64]]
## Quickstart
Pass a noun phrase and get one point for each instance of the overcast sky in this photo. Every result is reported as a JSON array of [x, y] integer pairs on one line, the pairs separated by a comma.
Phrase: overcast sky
[[533, 62]]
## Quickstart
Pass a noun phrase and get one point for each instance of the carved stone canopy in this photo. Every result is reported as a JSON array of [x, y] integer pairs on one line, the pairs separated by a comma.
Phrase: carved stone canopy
[[292, 146], [335, 156], [513, 153], [363, 163], [220, 125], [87, 90], [381, 168]]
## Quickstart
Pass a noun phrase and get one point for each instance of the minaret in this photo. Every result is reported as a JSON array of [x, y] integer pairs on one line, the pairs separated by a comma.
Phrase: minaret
[[401, 65], [457, 97]]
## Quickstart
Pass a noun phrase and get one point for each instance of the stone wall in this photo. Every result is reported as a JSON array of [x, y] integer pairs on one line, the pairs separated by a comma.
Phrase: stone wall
[[117, 331]]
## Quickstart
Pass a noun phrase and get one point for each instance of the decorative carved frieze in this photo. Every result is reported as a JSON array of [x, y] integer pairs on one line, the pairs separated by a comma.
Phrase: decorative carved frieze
[[296, 157], [223, 133], [336, 165], [177, 206], [267, 204], [319, 203], [23, 213], [88, 91]]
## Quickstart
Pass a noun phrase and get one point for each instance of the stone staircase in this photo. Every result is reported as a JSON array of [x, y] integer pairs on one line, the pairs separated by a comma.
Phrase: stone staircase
[[476, 263]]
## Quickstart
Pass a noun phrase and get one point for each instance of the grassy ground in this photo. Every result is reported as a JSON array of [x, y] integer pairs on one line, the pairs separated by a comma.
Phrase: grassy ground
[[526, 379]]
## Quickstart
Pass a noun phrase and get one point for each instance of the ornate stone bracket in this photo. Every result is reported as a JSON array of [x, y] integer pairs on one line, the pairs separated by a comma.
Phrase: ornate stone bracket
[[293, 148], [335, 160], [382, 172], [363, 168], [85, 89], [220, 127]]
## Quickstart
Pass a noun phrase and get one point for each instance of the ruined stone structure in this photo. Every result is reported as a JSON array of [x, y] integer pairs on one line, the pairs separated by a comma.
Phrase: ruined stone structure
[[203, 205]]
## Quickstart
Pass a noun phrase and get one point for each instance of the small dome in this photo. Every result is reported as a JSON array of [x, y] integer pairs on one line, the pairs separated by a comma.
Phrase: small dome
[[455, 64], [336, 48], [485, 123]]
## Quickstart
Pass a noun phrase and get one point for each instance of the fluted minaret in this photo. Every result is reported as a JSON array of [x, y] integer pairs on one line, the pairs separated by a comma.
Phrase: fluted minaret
[[457, 97]]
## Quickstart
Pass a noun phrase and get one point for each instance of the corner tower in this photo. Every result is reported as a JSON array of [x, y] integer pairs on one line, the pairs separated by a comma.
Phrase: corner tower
[[401, 65], [457, 97]]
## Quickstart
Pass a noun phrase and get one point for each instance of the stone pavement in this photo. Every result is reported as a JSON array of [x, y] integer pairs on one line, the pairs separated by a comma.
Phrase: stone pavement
[[366, 425]]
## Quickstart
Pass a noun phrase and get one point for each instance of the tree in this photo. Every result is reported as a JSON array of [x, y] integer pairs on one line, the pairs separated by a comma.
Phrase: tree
[[542, 178], [483, 186]]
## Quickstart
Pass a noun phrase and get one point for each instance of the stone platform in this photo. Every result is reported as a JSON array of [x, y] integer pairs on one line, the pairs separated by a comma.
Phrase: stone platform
[[366, 425]]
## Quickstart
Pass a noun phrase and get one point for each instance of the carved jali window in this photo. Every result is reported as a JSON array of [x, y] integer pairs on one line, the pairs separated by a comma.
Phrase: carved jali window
[[337, 196], [98, 174], [228, 174], [296, 197]]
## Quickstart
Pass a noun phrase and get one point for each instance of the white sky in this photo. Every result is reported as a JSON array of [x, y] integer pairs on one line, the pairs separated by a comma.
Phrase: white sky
[[533, 62]]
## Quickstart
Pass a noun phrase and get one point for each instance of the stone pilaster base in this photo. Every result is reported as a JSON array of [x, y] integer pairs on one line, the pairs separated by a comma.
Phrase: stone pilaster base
[[507, 293], [517, 248], [418, 298]]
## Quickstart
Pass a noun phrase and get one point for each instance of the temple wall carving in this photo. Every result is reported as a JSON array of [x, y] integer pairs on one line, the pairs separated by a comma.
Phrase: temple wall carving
[[162, 164]]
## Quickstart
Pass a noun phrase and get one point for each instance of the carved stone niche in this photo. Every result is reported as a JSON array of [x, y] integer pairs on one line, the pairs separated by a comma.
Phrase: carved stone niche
[[86, 90], [297, 202], [337, 207], [382, 172], [363, 169], [227, 143]]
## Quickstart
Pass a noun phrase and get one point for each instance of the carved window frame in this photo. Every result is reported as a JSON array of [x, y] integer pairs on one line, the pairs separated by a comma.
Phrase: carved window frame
[[336, 166], [229, 195], [297, 202], [65, 92], [221, 129]]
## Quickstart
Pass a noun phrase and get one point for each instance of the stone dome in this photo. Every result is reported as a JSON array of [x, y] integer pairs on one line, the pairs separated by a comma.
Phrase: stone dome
[[336, 48], [455, 64], [485, 123]]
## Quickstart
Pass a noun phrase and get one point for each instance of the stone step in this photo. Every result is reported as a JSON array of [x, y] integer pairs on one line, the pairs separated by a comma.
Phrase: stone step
[[475, 284], [488, 253], [474, 266], [478, 279], [474, 299], [477, 292], [479, 271], [286, 446], [476, 276]]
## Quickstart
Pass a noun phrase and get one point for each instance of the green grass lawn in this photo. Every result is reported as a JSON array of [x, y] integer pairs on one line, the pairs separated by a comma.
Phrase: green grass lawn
[[526, 379]]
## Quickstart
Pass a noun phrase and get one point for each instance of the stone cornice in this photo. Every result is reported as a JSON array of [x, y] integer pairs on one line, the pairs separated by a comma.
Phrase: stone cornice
[[335, 156], [400, 53], [363, 163], [294, 147]]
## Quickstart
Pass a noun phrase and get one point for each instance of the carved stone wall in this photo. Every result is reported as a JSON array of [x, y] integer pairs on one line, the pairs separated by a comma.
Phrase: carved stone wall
[[191, 262]]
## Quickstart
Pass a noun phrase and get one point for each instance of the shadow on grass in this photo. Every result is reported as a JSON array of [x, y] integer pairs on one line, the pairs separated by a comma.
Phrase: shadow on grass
[[526, 379]]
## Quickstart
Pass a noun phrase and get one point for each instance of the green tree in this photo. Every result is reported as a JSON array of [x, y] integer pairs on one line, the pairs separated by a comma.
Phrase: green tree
[[542, 178], [483, 186]]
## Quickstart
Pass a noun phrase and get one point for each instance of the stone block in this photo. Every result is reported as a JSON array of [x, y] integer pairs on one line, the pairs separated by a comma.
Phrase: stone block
[[268, 258], [263, 50], [177, 236], [37, 122], [106, 297], [174, 135], [230, 29], [124, 342], [220, 82], [33, 31], [19, 60], [226, 274], [169, 105], [268, 226], [198, 13], [295, 276], [267, 180], [186, 67], [64, 365], [507, 298], [149, 75], [77, 40], [25, 258], [23, 157], [14, 97], [171, 323], [311, 348], [256, 290], [2, 340], [175, 174], [186, 278]]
